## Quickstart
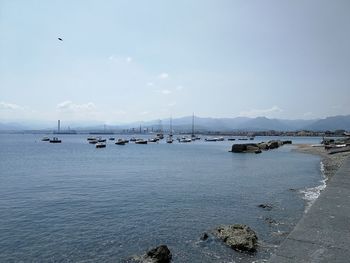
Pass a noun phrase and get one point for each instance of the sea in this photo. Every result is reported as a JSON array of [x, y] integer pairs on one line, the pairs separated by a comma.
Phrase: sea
[[71, 202]]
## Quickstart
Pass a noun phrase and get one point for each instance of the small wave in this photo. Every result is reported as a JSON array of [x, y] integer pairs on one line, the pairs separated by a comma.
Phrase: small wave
[[311, 194]]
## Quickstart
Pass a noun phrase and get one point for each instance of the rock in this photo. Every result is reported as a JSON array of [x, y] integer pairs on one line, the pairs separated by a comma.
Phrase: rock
[[244, 148], [266, 206], [263, 146], [270, 221], [274, 144], [239, 237], [204, 236], [251, 148], [238, 148], [160, 254]]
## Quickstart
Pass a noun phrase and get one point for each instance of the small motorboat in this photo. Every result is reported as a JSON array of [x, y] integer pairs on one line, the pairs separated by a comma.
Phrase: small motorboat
[[112, 139], [185, 139], [133, 139], [100, 145], [91, 138], [55, 140], [101, 140], [169, 140], [120, 142], [160, 136], [231, 139], [93, 141], [45, 139], [211, 139], [140, 141], [220, 139], [153, 139]]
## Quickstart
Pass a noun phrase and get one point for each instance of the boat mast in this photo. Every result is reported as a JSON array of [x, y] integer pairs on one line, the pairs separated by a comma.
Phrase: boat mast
[[192, 124], [171, 126], [58, 126]]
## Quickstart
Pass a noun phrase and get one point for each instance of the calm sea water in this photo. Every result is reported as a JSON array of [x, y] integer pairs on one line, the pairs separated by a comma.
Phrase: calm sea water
[[71, 202]]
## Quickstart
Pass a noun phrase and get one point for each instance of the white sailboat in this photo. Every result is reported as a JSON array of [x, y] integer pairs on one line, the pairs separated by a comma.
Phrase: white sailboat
[[170, 137]]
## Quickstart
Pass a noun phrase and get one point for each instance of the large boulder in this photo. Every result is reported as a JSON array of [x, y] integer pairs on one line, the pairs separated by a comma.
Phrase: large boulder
[[244, 148], [274, 144], [263, 146], [239, 237], [160, 254]]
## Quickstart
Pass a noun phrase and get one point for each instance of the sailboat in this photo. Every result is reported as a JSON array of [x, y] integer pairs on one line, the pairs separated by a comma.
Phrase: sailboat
[[160, 134], [170, 137], [193, 136]]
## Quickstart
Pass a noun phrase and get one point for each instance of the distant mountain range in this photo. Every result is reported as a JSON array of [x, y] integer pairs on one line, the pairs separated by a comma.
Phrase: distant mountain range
[[213, 124]]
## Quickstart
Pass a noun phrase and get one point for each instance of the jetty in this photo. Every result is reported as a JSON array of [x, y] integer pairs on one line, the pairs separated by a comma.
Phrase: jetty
[[323, 233]]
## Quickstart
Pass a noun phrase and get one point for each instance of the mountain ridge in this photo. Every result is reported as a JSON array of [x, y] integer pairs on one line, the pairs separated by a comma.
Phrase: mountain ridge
[[339, 122]]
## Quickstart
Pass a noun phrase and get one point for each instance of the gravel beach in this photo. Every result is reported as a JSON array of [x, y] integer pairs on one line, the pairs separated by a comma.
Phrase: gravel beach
[[331, 162]]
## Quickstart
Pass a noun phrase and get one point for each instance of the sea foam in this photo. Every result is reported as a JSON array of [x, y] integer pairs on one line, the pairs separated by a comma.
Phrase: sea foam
[[312, 193]]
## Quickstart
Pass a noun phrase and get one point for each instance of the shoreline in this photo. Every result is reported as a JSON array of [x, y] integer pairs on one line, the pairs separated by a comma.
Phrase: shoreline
[[322, 234], [330, 162], [329, 165]]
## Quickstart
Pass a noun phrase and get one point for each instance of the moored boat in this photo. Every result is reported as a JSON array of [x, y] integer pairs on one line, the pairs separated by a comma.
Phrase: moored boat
[[185, 139], [153, 139], [55, 140], [45, 139], [211, 139], [100, 145], [120, 142], [140, 141]]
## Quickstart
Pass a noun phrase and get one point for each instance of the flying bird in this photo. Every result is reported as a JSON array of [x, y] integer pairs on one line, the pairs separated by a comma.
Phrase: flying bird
[[60, 39]]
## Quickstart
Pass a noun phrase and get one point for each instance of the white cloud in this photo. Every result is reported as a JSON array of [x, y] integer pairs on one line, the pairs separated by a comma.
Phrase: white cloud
[[150, 84], [165, 92], [144, 112], [163, 76], [69, 106], [128, 59], [111, 57], [179, 87], [261, 112], [9, 106]]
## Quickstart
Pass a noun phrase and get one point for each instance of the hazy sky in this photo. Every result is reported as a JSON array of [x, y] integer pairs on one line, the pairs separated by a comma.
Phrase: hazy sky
[[123, 61]]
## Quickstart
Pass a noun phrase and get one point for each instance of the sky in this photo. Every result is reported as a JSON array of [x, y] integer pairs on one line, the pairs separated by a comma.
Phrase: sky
[[125, 61]]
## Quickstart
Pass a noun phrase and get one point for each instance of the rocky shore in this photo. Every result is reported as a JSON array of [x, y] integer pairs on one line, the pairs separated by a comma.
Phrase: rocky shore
[[258, 147], [331, 162]]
